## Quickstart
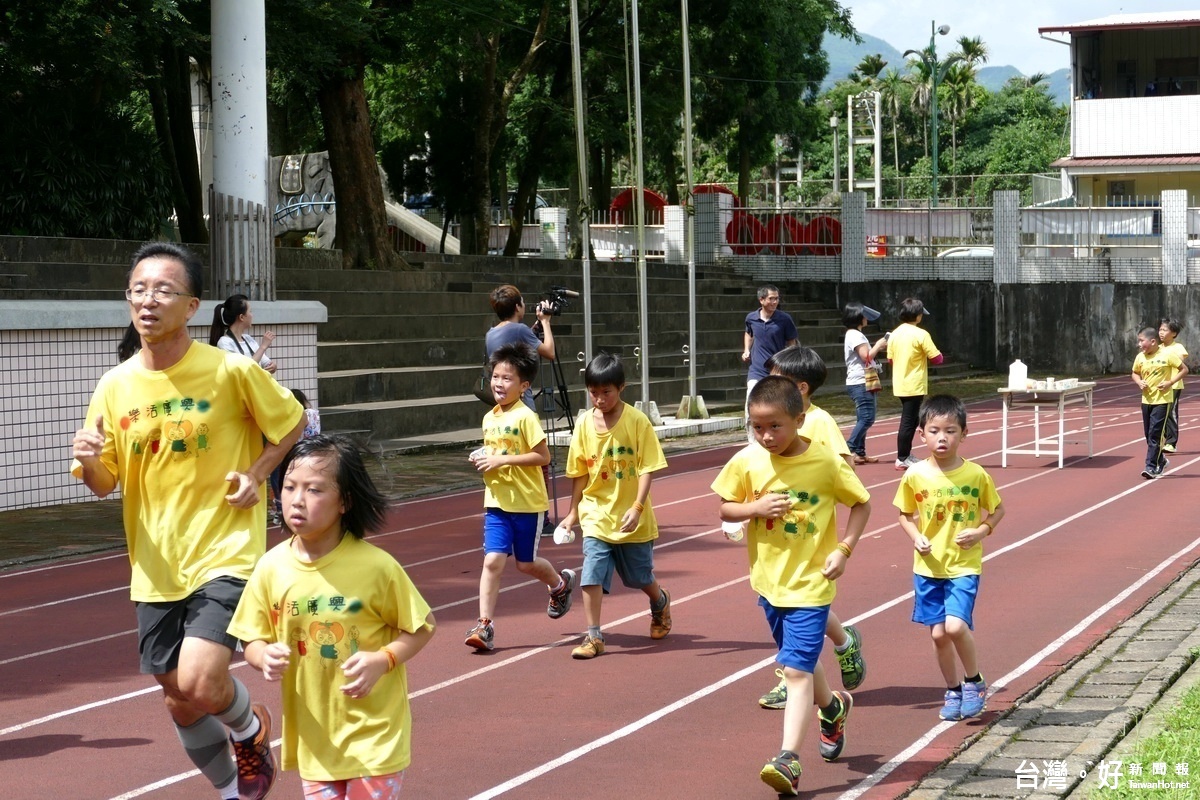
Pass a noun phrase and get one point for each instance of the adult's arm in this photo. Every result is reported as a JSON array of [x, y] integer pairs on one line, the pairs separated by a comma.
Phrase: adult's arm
[[545, 348]]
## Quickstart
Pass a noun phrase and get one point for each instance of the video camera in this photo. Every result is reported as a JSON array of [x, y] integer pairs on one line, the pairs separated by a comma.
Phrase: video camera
[[556, 300]]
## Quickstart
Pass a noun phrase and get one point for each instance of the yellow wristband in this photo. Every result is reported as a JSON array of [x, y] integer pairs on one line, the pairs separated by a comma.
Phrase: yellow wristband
[[390, 657], [989, 527], [638, 507], [844, 549]]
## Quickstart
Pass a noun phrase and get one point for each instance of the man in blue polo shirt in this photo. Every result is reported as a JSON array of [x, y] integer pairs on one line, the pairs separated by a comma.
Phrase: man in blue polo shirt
[[768, 330]]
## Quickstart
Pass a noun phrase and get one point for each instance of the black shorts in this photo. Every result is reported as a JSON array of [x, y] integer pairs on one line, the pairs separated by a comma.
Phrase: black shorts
[[204, 614]]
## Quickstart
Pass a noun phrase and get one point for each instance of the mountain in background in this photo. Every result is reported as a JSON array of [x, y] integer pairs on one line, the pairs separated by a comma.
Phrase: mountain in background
[[844, 56]]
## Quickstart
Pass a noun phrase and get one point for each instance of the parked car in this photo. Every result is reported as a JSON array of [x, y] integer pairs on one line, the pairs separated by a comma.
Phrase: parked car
[[972, 251]]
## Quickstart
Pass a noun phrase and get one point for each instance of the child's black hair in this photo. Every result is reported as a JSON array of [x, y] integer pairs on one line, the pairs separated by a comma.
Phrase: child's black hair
[[522, 358], [605, 369], [365, 505], [778, 392], [299, 395], [800, 364], [910, 309], [943, 405], [1149, 333], [1172, 324]]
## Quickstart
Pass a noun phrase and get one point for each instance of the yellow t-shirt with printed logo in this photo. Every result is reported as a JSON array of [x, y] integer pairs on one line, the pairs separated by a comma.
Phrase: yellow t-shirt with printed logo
[[612, 461], [170, 438], [788, 554], [1155, 368], [513, 432], [946, 503], [1178, 349], [821, 428], [355, 598]]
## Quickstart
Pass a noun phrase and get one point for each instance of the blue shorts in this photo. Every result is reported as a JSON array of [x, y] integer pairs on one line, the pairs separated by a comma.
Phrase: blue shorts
[[513, 533], [799, 634], [633, 561], [938, 598]]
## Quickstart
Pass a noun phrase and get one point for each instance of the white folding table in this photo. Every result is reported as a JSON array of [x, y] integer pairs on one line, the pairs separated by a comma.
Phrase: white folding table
[[1052, 399]]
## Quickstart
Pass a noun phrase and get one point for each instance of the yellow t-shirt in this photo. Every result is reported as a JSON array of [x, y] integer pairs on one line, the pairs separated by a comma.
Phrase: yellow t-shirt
[[788, 554], [513, 432], [1178, 349], [356, 598], [1155, 368], [910, 349], [612, 461], [945, 503], [820, 428], [171, 437]]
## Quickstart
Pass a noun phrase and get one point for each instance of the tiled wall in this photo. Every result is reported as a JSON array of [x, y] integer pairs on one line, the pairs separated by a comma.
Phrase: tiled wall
[[46, 381]]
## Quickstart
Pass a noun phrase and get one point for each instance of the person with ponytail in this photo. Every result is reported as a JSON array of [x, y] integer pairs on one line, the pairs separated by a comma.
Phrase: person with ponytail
[[231, 331]]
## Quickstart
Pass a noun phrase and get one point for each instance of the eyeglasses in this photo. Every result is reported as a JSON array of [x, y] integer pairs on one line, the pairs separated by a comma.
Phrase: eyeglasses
[[139, 295]]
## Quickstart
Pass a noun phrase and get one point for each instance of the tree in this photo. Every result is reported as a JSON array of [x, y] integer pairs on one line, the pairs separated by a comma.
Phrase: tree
[[761, 61], [868, 69], [892, 88], [325, 48], [80, 91]]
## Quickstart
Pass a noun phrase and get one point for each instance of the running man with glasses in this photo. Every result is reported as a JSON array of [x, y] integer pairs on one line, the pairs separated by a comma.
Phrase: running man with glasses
[[190, 433]]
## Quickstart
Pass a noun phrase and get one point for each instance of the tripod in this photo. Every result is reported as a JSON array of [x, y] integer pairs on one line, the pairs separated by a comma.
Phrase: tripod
[[554, 402]]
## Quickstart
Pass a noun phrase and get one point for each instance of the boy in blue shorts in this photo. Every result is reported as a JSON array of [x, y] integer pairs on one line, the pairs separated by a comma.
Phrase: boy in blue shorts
[[948, 506], [788, 489], [805, 368], [515, 501], [614, 454]]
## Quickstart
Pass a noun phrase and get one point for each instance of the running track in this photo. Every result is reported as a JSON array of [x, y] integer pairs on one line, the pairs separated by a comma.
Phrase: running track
[[1080, 549]]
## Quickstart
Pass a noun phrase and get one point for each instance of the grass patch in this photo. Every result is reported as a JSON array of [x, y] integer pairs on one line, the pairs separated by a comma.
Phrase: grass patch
[[1176, 743]]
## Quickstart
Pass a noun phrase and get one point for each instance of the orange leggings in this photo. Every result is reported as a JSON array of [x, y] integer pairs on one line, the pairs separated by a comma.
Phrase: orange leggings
[[372, 787]]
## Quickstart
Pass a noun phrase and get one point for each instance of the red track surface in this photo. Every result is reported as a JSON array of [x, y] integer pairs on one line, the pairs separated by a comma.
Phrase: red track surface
[[670, 719]]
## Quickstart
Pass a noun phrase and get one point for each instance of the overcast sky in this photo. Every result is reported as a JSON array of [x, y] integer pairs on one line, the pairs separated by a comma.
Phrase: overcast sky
[[1009, 27]]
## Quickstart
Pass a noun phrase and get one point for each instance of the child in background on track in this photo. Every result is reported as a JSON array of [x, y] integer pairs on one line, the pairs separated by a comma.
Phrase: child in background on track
[[805, 368], [1156, 371], [942, 501], [312, 426], [1168, 329], [788, 489], [613, 456], [335, 619], [514, 499], [911, 350]]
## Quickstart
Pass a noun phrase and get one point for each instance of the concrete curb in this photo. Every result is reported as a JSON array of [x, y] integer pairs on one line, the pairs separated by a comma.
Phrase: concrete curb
[[1090, 708]]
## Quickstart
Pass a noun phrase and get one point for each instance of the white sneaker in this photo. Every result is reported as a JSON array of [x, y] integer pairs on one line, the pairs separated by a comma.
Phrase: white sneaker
[[902, 464], [913, 461]]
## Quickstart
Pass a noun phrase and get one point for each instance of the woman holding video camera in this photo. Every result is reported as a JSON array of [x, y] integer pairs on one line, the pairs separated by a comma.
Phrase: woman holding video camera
[[509, 306]]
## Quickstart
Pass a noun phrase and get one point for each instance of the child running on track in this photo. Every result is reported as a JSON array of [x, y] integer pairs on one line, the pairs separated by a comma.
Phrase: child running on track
[[942, 501], [805, 367], [335, 619], [1168, 330], [515, 500], [614, 454], [1156, 371], [788, 489]]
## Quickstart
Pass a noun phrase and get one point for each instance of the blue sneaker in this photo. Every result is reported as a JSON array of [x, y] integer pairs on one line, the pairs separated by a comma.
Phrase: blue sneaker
[[974, 698], [952, 707]]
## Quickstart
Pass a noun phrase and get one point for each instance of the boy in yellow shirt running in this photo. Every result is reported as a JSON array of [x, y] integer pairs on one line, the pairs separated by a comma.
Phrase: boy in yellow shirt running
[[942, 501], [788, 489], [614, 454]]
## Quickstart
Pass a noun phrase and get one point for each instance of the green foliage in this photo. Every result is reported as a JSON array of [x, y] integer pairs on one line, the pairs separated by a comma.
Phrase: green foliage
[[80, 158]]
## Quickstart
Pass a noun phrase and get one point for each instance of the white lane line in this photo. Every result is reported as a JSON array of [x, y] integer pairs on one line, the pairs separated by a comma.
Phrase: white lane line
[[654, 716], [25, 609], [52, 650], [1036, 659]]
